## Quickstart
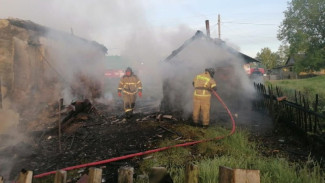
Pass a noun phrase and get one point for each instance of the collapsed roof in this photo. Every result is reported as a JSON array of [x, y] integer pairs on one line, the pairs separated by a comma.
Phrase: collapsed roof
[[42, 30]]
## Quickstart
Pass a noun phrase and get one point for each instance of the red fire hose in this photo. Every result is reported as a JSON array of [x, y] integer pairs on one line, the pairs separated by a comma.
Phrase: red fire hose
[[149, 151]]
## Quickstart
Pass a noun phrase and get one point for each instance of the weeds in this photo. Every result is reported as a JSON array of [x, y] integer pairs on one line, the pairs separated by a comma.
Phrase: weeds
[[235, 152]]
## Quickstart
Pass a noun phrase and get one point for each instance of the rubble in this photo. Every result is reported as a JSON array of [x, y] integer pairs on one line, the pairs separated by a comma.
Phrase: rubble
[[93, 132]]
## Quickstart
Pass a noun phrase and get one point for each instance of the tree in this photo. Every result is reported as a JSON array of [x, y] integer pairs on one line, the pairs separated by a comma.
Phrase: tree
[[267, 57], [283, 54], [303, 28]]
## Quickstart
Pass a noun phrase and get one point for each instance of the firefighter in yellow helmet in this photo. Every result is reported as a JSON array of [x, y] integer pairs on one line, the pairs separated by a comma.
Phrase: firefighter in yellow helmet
[[130, 85], [203, 84]]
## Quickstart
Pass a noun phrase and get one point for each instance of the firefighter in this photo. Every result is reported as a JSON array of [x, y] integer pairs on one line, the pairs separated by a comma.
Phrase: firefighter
[[130, 85], [203, 84]]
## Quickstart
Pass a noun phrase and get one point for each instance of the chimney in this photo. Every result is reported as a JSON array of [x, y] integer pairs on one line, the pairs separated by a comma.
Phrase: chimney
[[207, 26]]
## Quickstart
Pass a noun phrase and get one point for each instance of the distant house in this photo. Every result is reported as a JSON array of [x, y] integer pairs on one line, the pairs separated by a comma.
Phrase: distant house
[[284, 72], [287, 70]]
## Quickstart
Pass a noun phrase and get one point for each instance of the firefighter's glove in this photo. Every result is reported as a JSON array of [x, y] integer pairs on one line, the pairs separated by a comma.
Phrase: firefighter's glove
[[119, 94], [140, 94], [214, 88]]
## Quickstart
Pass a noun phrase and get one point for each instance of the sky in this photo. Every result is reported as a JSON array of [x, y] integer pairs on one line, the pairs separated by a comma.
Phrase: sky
[[248, 25]]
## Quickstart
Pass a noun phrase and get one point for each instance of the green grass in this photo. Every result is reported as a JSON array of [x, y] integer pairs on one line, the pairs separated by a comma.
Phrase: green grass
[[308, 87], [315, 84], [236, 152]]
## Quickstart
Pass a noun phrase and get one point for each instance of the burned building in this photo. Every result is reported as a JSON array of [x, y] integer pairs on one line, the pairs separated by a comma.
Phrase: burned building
[[37, 63], [191, 58]]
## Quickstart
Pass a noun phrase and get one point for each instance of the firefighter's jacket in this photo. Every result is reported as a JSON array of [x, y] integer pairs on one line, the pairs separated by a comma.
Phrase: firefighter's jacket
[[203, 83], [130, 84]]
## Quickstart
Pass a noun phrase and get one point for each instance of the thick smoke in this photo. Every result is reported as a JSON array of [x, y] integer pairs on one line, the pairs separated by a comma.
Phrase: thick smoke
[[123, 25], [232, 82]]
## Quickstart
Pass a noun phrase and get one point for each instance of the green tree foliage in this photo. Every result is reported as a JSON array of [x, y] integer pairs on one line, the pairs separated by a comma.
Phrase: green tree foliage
[[283, 54], [267, 57], [303, 28]]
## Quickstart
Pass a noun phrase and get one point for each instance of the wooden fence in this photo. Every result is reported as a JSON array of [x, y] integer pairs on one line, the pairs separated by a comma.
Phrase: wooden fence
[[302, 113], [156, 175]]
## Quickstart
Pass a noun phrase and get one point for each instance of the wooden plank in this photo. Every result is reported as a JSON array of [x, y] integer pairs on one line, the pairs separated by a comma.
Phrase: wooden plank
[[157, 174], [95, 175], [125, 174], [25, 177], [60, 176], [228, 175], [245, 176], [191, 173]]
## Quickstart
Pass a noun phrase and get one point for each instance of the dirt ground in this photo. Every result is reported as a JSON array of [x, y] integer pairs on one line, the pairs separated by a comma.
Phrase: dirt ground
[[104, 133]]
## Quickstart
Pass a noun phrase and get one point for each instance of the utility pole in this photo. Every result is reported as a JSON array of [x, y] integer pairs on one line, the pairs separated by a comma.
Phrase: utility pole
[[219, 27], [207, 26]]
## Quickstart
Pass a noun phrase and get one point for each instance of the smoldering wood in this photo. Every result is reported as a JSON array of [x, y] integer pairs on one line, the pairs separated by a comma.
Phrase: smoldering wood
[[77, 107]]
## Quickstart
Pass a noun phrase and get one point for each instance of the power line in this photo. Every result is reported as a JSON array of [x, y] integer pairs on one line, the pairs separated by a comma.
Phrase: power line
[[248, 23]]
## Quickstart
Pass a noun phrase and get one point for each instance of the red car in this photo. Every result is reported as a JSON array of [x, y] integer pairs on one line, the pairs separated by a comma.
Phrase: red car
[[114, 73]]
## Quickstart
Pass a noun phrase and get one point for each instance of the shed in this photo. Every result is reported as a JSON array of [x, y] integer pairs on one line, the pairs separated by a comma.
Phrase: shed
[[35, 60]]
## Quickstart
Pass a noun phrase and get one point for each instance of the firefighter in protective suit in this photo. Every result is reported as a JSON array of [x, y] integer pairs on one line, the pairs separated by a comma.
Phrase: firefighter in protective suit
[[203, 84], [130, 85]]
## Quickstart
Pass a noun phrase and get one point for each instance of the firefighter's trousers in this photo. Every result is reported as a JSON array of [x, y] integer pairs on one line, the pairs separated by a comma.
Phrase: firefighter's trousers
[[201, 105], [129, 102]]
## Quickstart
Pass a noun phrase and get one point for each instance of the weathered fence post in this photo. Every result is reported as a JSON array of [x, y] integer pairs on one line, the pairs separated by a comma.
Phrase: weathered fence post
[[0, 95], [316, 109], [305, 114], [125, 174], [95, 175], [191, 173], [228, 175], [156, 174], [25, 177], [60, 176], [59, 126]]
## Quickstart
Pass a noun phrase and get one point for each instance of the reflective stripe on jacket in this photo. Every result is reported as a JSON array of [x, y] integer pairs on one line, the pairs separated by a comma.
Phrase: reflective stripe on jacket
[[203, 83], [130, 84]]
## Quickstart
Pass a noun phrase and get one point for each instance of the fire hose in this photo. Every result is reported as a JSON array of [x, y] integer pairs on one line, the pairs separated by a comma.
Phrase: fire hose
[[150, 151]]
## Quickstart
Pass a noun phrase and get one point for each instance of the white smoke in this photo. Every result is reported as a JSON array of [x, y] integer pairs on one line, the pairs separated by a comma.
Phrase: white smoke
[[232, 82], [123, 25]]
